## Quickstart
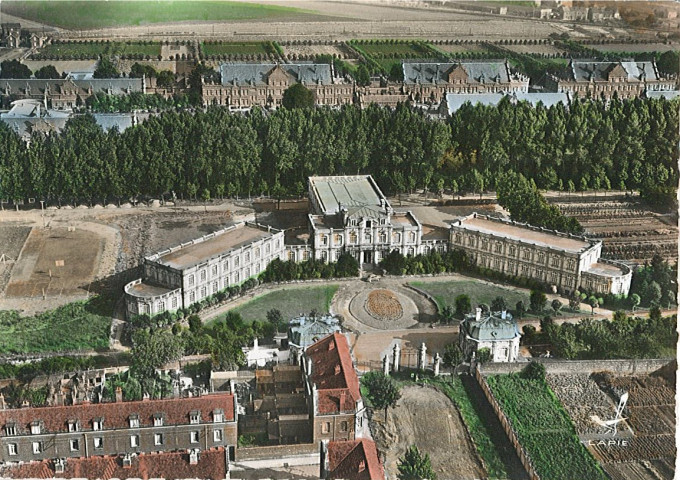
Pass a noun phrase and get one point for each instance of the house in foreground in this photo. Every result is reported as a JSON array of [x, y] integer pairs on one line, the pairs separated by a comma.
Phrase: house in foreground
[[496, 331]]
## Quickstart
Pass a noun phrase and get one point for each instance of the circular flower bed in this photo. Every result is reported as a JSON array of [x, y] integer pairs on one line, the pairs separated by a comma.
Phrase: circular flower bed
[[383, 305]]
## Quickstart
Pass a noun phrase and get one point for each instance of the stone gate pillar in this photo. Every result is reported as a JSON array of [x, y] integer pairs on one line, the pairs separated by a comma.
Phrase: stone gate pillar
[[422, 357], [396, 354], [437, 363], [386, 365]]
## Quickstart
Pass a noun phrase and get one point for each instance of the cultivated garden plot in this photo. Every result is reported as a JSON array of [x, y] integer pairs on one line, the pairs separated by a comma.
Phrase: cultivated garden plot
[[582, 398], [543, 428], [88, 49], [650, 454], [630, 232]]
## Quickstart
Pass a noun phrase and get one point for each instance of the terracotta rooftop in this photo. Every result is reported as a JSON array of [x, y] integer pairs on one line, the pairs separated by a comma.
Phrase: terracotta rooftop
[[212, 464], [354, 460], [333, 374], [176, 411]]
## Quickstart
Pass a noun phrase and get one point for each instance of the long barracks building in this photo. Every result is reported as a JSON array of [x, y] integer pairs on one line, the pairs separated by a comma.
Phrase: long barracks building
[[350, 214]]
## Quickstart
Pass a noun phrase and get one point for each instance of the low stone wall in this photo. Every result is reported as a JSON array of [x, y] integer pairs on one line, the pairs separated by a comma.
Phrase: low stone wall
[[619, 367], [275, 451], [521, 453]]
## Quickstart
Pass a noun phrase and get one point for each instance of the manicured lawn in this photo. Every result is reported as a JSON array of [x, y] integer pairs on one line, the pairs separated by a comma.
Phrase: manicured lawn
[[84, 15], [244, 48], [290, 301], [76, 326], [544, 428], [445, 293]]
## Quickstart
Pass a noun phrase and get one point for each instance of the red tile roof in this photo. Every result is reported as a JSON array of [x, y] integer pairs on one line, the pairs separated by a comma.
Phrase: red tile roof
[[212, 464], [354, 460], [333, 374], [176, 411]]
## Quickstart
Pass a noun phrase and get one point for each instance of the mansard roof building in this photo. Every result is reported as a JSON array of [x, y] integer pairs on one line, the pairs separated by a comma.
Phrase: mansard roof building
[[65, 94], [246, 85], [602, 79], [430, 82]]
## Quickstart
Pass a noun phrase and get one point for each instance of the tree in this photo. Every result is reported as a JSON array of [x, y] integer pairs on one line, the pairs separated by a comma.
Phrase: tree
[[575, 301], [520, 309], [298, 96], [463, 305], [414, 466], [165, 79], [634, 301], [14, 69], [669, 62], [556, 305], [499, 304], [534, 371], [592, 301], [275, 317], [362, 76], [653, 293], [383, 391], [138, 71], [447, 314], [106, 69], [452, 355], [47, 71], [195, 324], [396, 73], [151, 350], [483, 355], [537, 300], [346, 266]]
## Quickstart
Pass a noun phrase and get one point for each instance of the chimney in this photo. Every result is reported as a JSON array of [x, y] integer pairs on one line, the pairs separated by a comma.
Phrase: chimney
[[255, 344], [119, 394], [478, 314], [343, 399], [504, 314], [323, 459]]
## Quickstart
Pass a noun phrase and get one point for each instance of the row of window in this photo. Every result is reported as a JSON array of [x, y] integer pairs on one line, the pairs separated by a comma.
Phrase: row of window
[[527, 253], [326, 427], [214, 270], [98, 423], [98, 442]]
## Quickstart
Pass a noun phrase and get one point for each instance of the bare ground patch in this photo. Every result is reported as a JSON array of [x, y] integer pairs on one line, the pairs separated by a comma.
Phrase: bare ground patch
[[56, 261], [426, 417]]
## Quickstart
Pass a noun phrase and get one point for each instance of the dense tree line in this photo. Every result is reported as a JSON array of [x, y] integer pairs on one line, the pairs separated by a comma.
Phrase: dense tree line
[[621, 337], [628, 144]]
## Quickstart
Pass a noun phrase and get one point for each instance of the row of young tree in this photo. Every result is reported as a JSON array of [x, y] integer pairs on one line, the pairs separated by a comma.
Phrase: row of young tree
[[625, 145]]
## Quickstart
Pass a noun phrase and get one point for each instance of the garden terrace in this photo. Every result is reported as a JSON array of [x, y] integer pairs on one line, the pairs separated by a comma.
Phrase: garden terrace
[[543, 428], [229, 50], [92, 50]]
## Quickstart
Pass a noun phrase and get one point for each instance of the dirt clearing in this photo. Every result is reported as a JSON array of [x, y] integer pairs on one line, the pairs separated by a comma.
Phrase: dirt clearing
[[58, 261], [426, 417]]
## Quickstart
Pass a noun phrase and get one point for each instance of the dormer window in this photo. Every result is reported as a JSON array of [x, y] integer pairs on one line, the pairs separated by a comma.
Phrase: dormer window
[[73, 426], [195, 417], [36, 427], [11, 429], [218, 415], [158, 420], [134, 421], [98, 424]]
